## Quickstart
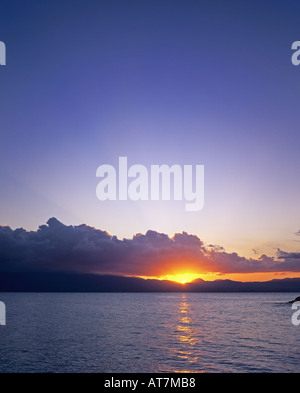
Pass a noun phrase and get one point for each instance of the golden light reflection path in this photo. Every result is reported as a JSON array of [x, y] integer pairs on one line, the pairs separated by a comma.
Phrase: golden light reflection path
[[187, 345], [186, 334]]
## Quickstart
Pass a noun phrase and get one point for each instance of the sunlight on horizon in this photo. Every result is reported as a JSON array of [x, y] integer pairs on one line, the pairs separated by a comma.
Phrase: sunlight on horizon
[[185, 278], [181, 278]]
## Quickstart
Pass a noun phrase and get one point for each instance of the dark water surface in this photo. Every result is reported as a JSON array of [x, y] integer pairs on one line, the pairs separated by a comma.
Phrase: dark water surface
[[149, 332]]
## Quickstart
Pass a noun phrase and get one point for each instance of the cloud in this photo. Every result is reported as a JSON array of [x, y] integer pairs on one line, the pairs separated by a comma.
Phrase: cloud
[[84, 249], [287, 255]]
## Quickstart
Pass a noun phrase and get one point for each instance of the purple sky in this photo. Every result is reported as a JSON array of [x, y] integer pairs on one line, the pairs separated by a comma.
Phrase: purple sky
[[160, 82]]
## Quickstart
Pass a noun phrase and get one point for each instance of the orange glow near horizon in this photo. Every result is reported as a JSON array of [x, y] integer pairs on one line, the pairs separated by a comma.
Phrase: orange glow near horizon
[[184, 278], [181, 277]]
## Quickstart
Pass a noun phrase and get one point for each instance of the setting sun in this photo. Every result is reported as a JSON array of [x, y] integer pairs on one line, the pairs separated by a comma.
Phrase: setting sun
[[182, 278]]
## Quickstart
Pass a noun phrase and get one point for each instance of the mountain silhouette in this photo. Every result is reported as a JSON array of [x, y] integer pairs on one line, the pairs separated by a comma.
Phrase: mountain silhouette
[[71, 282]]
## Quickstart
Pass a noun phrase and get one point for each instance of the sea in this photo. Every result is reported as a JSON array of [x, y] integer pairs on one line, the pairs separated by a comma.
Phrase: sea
[[149, 333]]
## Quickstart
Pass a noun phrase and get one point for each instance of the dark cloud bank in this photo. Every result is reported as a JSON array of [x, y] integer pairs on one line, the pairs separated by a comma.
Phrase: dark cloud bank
[[60, 257]]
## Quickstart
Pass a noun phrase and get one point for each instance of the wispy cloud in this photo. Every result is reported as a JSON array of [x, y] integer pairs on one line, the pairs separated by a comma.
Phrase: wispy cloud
[[287, 255]]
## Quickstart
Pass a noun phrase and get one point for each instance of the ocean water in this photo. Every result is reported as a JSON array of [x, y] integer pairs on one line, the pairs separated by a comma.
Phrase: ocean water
[[149, 332]]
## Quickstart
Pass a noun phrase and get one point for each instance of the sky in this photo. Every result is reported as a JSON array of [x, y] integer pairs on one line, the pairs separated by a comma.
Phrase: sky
[[159, 82]]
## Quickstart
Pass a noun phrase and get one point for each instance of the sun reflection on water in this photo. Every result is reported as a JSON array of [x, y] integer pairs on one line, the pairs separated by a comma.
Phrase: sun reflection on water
[[186, 346], [186, 333]]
